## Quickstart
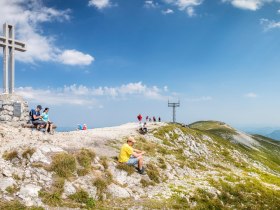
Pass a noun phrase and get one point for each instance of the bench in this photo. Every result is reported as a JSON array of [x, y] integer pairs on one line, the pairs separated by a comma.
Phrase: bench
[[29, 125]]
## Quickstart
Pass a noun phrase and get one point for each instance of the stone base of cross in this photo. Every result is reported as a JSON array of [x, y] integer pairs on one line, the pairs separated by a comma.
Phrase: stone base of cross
[[9, 44]]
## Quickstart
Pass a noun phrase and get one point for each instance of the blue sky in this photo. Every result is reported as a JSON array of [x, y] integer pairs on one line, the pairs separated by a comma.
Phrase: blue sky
[[102, 62]]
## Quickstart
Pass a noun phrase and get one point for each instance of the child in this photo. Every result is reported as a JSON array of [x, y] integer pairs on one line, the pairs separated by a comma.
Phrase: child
[[45, 118]]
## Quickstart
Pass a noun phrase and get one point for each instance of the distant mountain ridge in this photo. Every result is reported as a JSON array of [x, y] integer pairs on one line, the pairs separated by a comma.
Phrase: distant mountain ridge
[[274, 135]]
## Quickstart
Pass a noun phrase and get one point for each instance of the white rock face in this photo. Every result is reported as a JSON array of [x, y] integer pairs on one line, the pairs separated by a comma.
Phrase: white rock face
[[29, 194], [117, 191], [69, 188], [38, 156], [6, 182]]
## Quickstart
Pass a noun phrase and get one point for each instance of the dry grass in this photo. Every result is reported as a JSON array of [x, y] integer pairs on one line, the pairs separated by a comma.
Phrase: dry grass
[[10, 155], [63, 164], [28, 153]]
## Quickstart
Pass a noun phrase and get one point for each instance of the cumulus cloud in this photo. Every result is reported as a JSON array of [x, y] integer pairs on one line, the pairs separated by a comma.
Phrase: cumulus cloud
[[185, 5], [100, 4], [27, 16], [249, 4], [269, 24], [83, 95], [150, 4], [251, 95], [167, 11], [74, 57]]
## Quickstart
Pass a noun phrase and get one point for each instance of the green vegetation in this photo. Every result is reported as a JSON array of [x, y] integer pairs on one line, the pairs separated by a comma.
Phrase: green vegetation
[[129, 169], [28, 153], [246, 193], [144, 145], [16, 205], [10, 155], [83, 171], [12, 189], [52, 197], [146, 183], [162, 163], [104, 162], [63, 164], [85, 157], [101, 184], [82, 197], [153, 173]]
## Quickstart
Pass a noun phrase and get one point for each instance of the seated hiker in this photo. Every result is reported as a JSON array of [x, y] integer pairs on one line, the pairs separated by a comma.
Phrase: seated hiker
[[36, 117], [131, 156], [143, 128], [45, 118]]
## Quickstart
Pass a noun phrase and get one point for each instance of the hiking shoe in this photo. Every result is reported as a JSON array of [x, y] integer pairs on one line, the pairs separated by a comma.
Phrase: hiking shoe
[[142, 171]]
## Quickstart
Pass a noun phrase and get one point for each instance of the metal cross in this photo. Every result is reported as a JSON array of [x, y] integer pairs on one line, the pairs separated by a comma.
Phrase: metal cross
[[9, 45]]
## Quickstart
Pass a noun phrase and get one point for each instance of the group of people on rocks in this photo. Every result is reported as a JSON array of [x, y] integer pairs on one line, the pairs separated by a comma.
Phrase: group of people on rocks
[[41, 120], [148, 119]]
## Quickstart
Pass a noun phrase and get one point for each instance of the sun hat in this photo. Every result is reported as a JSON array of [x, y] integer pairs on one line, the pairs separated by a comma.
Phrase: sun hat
[[131, 139]]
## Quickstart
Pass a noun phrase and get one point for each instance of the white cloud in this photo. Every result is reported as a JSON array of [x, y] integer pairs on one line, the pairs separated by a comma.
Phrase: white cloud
[[83, 95], [27, 16], [190, 11], [185, 5], [278, 11], [100, 4], [167, 11], [269, 24], [249, 4], [150, 4], [74, 57], [251, 95]]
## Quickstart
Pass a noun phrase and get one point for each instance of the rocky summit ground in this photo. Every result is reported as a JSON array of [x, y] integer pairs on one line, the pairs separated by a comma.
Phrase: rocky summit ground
[[206, 165]]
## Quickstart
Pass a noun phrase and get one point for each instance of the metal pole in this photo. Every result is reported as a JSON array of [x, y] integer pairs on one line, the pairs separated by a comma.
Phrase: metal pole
[[174, 114], [12, 60], [5, 58]]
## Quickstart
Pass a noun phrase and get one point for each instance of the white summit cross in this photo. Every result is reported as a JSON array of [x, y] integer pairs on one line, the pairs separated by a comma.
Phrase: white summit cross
[[9, 45]]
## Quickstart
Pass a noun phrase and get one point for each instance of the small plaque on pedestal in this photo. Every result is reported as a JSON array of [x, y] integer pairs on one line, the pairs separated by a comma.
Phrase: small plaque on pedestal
[[17, 109]]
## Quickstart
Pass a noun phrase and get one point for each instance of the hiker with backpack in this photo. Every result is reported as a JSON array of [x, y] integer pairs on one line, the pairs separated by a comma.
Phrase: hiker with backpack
[[45, 118], [36, 117]]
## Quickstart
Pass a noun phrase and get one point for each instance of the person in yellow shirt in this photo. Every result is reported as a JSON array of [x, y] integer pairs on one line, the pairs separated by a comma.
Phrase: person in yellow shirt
[[131, 156]]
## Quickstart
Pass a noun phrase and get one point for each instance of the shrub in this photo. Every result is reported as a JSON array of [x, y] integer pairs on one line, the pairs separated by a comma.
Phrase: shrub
[[153, 172], [129, 169], [28, 153], [162, 164], [51, 198], [83, 171], [101, 184], [104, 162], [83, 197], [10, 155], [11, 205], [12, 189], [85, 157], [63, 164], [146, 183]]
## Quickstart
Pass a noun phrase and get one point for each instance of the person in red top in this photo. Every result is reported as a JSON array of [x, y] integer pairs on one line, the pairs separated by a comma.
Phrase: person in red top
[[139, 117]]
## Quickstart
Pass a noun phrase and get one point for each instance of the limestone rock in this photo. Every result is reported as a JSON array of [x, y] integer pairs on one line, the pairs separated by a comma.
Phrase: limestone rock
[[117, 191], [6, 182]]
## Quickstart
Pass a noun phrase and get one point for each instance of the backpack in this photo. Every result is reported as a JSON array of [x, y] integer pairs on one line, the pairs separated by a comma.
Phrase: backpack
[[30, 115]]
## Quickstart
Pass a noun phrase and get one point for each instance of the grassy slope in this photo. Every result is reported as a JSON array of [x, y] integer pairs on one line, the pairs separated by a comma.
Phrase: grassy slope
[[238, 190]]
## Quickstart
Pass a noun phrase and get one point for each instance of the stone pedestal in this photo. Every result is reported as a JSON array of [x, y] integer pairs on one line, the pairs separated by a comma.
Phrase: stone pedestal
[[13, 109]]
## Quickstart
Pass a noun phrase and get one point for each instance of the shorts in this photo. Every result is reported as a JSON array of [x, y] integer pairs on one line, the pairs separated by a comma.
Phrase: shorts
[[132, 161], [39, 122]]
